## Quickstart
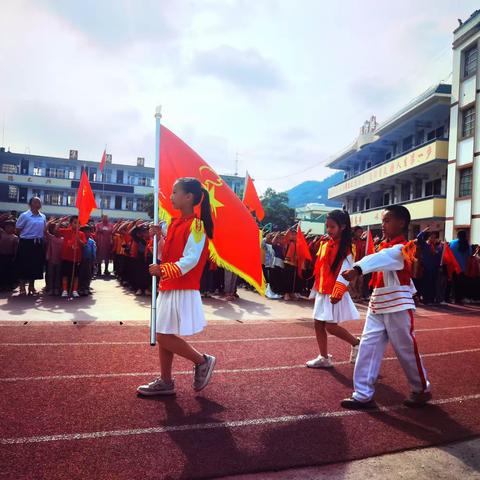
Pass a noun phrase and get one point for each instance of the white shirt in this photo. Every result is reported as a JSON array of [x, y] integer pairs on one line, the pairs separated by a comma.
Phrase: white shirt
[[31, 226]]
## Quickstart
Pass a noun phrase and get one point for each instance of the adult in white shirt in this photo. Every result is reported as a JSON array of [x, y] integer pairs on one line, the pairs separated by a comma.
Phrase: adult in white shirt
[[31, 248]]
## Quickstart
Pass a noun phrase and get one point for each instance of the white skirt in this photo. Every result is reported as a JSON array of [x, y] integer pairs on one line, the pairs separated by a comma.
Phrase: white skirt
[[180, 312], [343, 311]]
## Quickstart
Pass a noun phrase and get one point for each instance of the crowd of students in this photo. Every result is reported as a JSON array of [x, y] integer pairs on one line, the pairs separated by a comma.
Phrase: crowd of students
[[69, 257], [436, 280]]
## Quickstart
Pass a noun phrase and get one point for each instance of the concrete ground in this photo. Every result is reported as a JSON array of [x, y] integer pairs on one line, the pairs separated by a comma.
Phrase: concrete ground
[[110, 302]]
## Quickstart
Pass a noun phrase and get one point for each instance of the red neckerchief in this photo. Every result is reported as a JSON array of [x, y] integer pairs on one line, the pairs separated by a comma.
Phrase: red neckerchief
[[377, 277]]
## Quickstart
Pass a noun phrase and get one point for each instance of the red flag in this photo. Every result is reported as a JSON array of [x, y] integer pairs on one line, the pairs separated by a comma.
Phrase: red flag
[[303, 252], [251, 200], [85, 200], [449, 260], [103, 160], [369, 246], [235, 230]]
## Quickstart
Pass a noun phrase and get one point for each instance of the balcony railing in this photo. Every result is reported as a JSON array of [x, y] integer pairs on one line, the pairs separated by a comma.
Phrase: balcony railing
[[437, 150], [420, 208]]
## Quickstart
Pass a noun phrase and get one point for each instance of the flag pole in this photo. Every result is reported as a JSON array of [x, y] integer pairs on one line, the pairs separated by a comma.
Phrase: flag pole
[[156, 191], [368, 239]]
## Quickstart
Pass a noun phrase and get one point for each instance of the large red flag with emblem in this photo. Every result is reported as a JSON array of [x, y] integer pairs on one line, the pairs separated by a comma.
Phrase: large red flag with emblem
[[236, 236], [251, 200], [85, 200]]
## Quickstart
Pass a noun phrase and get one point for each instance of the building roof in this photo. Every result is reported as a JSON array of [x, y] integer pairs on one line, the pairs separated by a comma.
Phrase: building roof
[[425, 99], [474, 15], [74, 162]]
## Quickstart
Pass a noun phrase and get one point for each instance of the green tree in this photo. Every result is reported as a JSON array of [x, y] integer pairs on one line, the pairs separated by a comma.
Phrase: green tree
[[277, 211]]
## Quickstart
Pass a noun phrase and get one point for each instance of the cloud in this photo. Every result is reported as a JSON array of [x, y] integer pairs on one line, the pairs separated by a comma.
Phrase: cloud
[[245, 69], [118, 23]]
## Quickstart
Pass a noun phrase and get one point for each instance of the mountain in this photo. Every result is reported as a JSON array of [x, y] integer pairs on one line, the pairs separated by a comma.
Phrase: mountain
[[314, 191]]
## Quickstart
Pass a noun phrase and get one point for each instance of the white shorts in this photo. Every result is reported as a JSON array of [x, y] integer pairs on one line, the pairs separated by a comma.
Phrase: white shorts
[[343, 311], [180, 312]]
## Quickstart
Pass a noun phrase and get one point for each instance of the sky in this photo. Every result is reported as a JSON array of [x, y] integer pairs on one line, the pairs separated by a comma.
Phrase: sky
[[274, 86]]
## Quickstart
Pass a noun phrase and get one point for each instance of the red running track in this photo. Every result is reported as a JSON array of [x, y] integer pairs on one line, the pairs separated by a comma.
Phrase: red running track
[[69, 408]]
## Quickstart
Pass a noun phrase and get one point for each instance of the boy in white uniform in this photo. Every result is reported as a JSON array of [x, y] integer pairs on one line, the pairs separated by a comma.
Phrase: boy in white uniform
[[390, 315]]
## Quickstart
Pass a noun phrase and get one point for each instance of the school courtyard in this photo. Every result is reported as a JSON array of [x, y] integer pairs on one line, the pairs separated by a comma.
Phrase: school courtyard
[[69, 370]]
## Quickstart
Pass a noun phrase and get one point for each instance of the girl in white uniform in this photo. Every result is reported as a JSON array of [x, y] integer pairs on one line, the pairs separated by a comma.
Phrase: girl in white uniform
[[333, 304], [179, 305]]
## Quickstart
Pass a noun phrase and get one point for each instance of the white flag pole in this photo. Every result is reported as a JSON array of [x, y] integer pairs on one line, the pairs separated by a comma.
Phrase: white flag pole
[[156, 191]]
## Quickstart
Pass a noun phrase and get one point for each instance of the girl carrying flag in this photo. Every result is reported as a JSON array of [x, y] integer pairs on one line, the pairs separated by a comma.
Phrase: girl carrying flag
[[179, 304], [333, 304]]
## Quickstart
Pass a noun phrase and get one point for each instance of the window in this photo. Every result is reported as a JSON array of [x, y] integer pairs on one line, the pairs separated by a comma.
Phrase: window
[[53, 198], [367, 204], [465, 183], [129, 203], [407, 143], [105, 201], [405, 192], [55, 172], [131, 180], [386, 198], [468, 122], [71, 174], [118, 202], [417, 190], [37, 171], [419, 136], [470, 60], [13, 193], [71, 199], [92, 174], [433, 188], [141, 205], [143, 181], [119, 176], [9, 168]]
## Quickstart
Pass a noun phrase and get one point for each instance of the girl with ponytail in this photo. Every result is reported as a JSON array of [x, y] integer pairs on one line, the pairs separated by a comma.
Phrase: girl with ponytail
[[179, 305], [333, 304]]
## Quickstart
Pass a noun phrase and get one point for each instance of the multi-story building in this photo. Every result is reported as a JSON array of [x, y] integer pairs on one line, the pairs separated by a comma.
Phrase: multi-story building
[[401, 161], [463, 190], [119, 194]]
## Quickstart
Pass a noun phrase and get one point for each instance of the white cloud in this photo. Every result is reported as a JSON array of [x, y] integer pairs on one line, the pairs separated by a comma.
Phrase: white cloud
[[283, 84]]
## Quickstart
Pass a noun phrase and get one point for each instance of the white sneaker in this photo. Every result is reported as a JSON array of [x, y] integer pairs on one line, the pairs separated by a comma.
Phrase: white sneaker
[[75, 294], [320, 362], [354, 353], [157, 387], [203, 372], [64, 294]]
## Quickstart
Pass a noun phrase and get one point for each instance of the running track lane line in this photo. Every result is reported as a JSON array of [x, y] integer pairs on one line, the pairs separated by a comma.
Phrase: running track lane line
[[189, 372], [218, 425], [228, 340]]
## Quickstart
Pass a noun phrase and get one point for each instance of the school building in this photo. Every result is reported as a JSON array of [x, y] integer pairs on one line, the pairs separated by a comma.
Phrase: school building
[[120, 193], [463, 186], [400, 161]]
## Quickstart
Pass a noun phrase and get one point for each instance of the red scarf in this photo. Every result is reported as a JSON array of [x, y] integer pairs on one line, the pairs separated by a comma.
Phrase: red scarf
[[404, 275]]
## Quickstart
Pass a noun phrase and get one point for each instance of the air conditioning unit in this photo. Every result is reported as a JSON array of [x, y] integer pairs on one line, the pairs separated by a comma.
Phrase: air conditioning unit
[[73, 155], [140, 161], [108, 158]]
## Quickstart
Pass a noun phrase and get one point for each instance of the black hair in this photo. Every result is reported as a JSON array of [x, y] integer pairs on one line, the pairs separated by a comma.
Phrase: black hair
[[200, 195], [342, 219], [462, 241], [32, 199], [400, 212], [356, 228], [72, 218]]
